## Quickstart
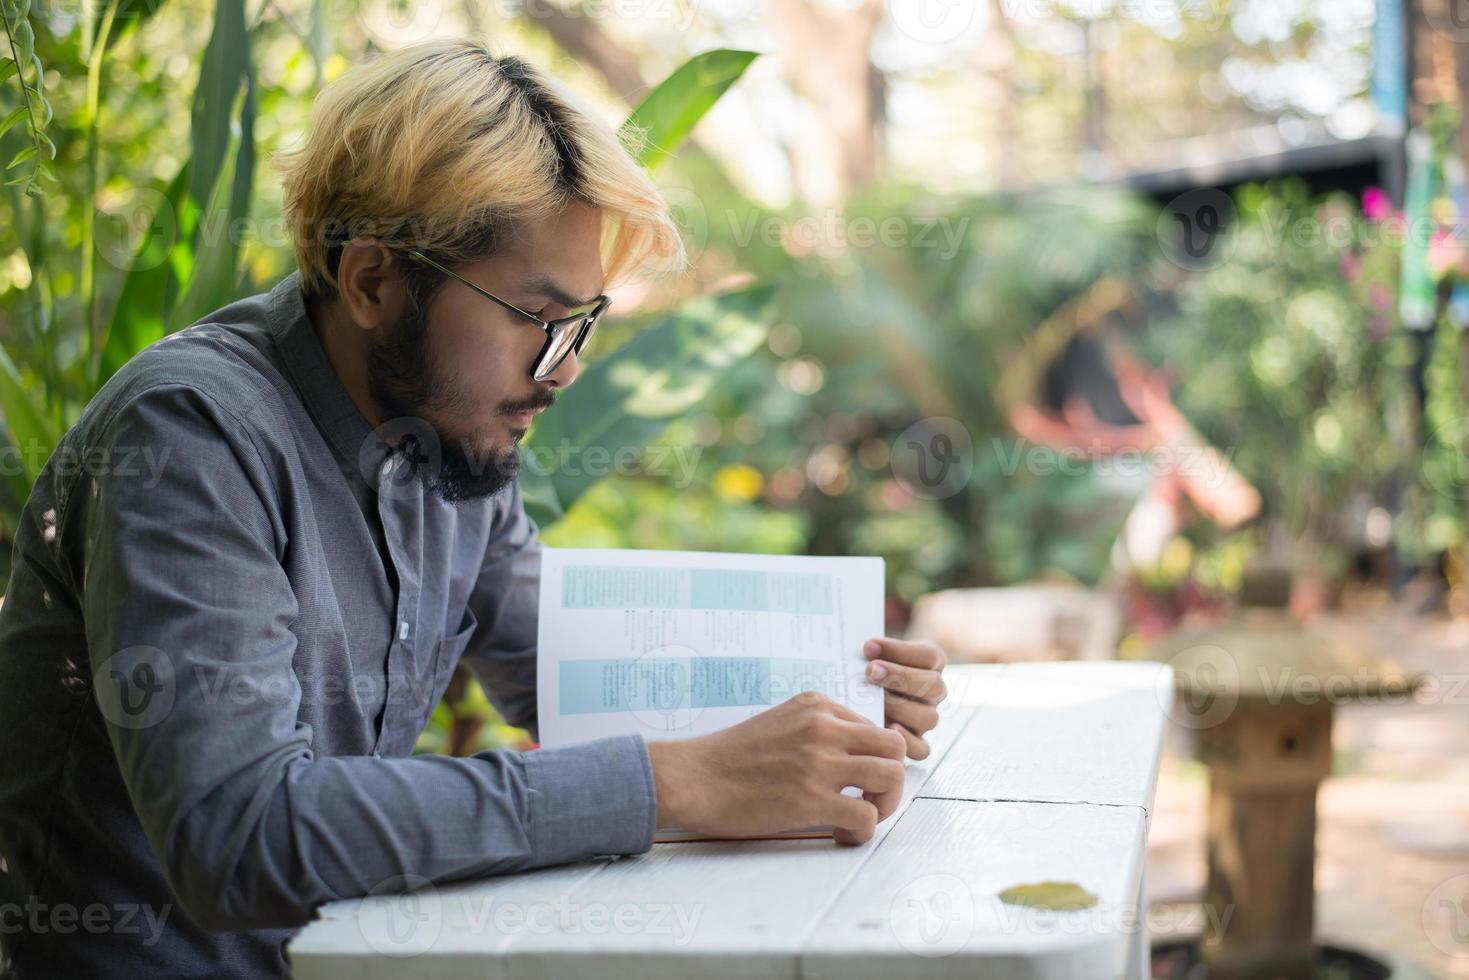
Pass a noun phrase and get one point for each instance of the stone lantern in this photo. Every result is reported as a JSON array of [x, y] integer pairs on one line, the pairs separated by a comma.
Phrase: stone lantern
[[1259, 689]]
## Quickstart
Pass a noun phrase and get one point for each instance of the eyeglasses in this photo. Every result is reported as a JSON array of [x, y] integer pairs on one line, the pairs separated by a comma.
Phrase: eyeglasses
[[570, 333]]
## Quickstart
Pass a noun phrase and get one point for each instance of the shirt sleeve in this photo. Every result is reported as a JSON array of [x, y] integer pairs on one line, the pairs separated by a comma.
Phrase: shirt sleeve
[[188, 605], [505, 602]]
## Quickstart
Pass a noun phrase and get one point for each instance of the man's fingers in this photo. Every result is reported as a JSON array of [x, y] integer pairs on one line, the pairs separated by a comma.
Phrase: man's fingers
[[917, 747], [869, 740], [880, 779], [923, 654], [924, 685], [847, 714], [854, 819], [915, 716]]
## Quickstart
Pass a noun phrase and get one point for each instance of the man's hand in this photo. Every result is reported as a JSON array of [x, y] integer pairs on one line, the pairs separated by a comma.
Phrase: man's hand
[[782, 769], [910, 673]]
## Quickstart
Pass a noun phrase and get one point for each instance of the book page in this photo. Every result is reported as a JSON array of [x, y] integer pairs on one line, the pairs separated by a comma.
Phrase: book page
[[677, 644]]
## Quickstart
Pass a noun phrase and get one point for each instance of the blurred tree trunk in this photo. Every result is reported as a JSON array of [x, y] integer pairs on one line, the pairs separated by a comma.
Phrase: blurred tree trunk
[[579, 36], [997, 56], [826, 53]]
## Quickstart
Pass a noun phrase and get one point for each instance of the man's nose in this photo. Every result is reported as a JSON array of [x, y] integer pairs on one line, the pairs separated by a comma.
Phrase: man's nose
[[565, 372]]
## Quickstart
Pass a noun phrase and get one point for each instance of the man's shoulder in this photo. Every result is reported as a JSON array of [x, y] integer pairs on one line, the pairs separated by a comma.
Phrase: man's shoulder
[[227, 363]]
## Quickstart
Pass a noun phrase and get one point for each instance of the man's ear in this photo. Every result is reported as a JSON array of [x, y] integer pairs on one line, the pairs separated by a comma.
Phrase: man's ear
[[370, 288]]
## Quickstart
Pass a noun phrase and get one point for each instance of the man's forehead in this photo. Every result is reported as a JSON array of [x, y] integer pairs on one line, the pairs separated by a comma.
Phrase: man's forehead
[[565, 268]]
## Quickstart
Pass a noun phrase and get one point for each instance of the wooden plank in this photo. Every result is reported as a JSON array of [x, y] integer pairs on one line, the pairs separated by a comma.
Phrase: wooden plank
[[745, 906], [927, 904], [1057, 733], [444, 932]]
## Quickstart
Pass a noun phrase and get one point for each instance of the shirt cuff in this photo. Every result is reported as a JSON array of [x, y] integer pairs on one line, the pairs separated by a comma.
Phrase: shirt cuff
[[590, 799]]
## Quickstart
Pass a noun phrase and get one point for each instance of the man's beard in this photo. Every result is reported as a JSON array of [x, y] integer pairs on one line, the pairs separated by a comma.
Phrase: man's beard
[[401, 380]]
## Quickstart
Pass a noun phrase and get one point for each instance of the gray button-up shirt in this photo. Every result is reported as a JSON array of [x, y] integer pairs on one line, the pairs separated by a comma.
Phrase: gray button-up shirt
[[217, 650]]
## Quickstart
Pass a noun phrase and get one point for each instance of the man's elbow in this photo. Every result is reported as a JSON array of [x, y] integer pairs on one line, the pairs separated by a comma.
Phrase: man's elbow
[[229, 893]]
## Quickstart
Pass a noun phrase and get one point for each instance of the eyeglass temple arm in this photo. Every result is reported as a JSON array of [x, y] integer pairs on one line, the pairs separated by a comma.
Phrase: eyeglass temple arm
[[487, 295]]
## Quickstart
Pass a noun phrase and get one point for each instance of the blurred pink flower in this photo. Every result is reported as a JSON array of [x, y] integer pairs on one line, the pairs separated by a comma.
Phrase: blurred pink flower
[[1446, 254], [1375, 203], [1350, 265], [1380, 296]]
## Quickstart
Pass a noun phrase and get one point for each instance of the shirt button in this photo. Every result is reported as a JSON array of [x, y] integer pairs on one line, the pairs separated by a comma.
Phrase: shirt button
[[403, 629]]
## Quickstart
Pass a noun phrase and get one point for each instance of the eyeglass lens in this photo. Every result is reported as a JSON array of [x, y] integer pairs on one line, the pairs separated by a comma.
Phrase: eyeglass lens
[[565, 337]]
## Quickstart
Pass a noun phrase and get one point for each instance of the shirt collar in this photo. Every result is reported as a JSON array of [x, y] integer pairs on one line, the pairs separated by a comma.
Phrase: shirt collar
[[323, 393]]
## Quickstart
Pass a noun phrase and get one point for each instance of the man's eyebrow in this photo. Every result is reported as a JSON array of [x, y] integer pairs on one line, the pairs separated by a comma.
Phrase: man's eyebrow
[[541, 285]]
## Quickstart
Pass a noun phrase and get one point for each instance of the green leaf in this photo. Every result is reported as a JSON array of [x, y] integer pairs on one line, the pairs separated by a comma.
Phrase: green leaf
[[24, 154], [25, 41], [31, 430], [138, 319], [216, 243], [669, 113], [179, 278], [7, 69], [226, 62], [631, 395], [1058, 896], [16, 115], [130, 15]]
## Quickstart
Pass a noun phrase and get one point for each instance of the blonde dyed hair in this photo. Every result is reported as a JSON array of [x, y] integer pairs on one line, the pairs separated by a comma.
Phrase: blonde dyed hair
[[443, 147]]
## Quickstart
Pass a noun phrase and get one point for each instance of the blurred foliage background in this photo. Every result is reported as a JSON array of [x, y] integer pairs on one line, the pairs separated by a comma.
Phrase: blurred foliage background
[[917, 224]]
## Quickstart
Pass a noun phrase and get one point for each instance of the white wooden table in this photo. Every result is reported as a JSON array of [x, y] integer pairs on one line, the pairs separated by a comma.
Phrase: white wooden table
[[1039, 773]]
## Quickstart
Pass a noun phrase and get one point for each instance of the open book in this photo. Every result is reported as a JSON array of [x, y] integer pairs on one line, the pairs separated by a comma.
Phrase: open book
[[677, 644]]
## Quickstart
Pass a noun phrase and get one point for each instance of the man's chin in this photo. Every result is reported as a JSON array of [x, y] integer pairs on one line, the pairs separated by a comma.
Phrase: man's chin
[[473, 475]]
